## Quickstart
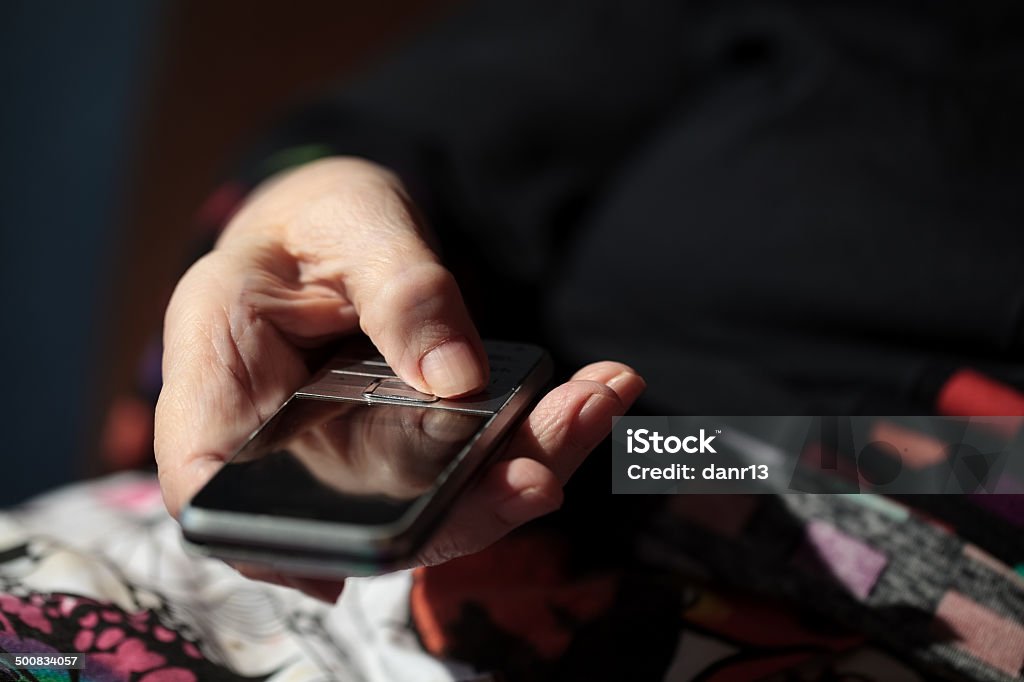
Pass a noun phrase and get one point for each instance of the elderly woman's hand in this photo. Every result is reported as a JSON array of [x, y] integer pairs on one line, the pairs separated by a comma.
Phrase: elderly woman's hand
[[320, 252]]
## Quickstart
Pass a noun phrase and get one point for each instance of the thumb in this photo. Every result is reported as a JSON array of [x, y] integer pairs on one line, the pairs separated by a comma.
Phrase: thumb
[[418, 321], [363, 236]]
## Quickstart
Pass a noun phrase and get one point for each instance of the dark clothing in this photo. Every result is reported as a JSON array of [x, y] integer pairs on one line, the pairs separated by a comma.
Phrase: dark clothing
[[765, 207]]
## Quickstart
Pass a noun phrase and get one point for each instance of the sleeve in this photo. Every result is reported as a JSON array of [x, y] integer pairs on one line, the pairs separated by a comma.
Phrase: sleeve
[[504, 120]]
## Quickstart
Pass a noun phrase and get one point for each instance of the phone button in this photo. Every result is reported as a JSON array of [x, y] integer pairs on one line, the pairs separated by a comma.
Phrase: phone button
[[395, 389], [363, 368]]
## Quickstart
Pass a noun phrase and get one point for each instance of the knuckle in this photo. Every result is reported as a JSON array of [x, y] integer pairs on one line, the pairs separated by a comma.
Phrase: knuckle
[[317, 234], [549, 423], [418, 286], [418, 292], [556, 416], [591, 388], [451, 543]]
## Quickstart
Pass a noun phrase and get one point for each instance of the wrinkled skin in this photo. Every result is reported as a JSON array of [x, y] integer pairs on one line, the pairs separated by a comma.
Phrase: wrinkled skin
[[325, 250]]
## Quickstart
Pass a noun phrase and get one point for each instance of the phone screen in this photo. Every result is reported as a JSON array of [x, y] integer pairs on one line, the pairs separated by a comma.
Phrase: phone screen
[[342, 462]]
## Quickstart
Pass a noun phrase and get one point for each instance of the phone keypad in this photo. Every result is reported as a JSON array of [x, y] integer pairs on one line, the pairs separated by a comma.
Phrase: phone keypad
[[364, 368], [358, 372], [396, 389]]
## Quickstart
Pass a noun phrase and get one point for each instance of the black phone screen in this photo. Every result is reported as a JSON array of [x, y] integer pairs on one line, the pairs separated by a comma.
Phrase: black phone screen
[[342, 462]]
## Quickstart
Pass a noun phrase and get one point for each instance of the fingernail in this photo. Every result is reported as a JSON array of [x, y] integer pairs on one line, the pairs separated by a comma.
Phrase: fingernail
[[595, 417], [526, 506], [452, 369], [628, 385]]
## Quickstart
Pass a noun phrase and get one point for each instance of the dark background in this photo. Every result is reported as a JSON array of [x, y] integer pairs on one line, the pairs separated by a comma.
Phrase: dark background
[[118, 118]]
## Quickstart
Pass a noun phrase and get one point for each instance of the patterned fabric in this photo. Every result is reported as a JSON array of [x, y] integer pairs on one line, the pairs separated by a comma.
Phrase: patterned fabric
[[98, 568]]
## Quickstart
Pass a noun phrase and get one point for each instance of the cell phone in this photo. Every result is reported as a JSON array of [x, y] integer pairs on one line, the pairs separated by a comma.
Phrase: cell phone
[[353, 473]]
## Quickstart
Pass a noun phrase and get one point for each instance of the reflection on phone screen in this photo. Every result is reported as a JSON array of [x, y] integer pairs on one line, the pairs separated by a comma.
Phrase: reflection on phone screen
[[342, 461]]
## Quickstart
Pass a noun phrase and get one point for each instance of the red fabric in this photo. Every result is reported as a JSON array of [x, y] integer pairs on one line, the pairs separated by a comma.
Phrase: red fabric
[[971, 394], [522, 584]]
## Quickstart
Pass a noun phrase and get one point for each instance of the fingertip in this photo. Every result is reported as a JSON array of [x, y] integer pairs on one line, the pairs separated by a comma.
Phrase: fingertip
[[628, 385], [602, 371], [258, 573], [179, 484], [324, 589], [620, 377], [319, 588]]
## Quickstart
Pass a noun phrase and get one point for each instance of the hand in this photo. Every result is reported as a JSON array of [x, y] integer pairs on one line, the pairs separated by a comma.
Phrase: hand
[[325, 250]]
